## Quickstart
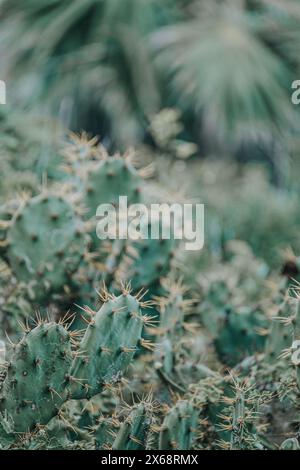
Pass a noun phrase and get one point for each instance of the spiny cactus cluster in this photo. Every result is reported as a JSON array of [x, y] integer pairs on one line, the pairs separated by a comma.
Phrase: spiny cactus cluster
[[51, 364], [202, 356]]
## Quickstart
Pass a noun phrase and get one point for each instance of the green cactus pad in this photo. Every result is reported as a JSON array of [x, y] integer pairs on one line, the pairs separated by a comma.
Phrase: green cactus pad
[[148, 261], [108, 345], [109, 179], [35, 384], [45, 244]]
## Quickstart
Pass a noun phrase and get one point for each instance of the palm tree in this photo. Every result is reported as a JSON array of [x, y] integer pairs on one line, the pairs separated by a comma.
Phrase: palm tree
[[108, 65], [82, 56], [226, 65]]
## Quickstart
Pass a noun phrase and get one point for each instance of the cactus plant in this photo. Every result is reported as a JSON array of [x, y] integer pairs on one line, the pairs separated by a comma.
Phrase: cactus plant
[[124, 373], [280, 333], [35, 384], [44, 245], [112, 338], [108, 179], [179, 427], [134, 430], [147, 260]]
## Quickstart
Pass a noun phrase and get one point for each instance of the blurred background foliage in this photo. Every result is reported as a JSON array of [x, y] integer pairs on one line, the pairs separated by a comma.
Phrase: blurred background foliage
[[107, 66], [111, 67]]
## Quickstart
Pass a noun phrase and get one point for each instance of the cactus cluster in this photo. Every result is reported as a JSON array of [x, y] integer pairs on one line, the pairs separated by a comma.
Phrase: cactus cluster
[[160, 349]]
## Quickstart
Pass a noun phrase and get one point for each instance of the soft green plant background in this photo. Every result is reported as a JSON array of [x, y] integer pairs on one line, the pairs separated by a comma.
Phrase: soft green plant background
[[109, 66]]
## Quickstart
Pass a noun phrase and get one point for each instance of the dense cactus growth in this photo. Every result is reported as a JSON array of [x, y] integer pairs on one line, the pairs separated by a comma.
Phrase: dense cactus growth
[[160, 349], [47, 366]]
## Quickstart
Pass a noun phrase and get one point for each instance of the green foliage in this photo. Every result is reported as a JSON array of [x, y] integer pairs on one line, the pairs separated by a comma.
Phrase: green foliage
[[109, 30], [108, 46], [250, 103]]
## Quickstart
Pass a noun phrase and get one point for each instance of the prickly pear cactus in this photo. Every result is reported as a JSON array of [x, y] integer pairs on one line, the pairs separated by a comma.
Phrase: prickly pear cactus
[[107, 180], [147, 260], [111, 340], [45, 244], [178, 431], [35, 384]]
